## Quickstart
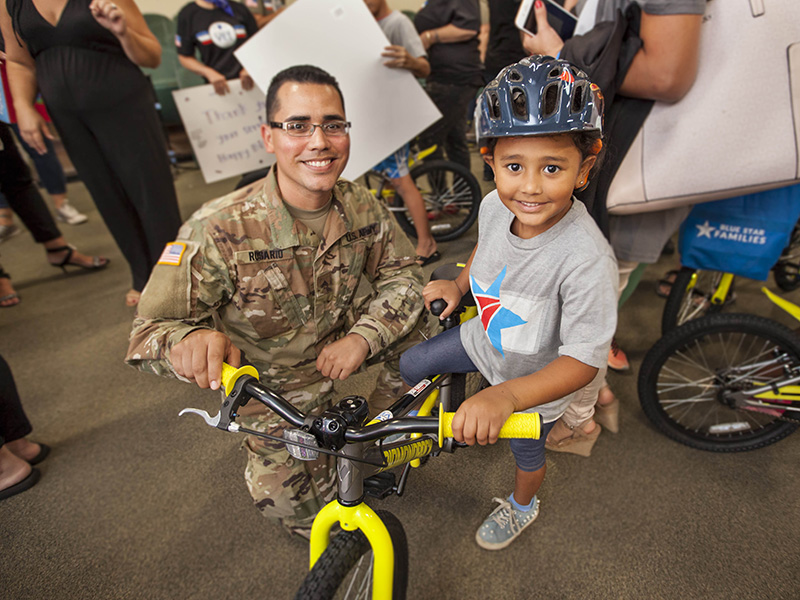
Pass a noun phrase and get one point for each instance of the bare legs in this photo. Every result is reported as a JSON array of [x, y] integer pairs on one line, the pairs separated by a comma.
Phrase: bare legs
[[527, 484], [405, 186]]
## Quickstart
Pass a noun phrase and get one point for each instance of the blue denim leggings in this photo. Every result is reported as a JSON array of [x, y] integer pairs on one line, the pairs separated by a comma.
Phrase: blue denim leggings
[[444, 353]]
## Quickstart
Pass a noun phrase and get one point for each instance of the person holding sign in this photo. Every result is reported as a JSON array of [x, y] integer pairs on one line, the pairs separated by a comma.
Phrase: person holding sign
[[216, 29], [271, 271]]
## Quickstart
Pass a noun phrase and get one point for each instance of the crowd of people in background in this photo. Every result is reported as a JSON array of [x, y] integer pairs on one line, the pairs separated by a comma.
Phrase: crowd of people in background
[[85, 60]]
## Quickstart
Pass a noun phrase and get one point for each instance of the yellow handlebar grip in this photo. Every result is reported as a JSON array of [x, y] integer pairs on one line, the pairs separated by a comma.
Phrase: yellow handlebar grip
[[231, 374], [518, 425]]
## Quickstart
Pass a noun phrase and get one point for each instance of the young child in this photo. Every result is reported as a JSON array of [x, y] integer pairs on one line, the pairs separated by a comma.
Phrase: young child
[[543, 276]]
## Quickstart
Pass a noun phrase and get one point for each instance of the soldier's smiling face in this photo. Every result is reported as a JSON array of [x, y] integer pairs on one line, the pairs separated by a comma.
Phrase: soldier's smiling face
[[308, 167]]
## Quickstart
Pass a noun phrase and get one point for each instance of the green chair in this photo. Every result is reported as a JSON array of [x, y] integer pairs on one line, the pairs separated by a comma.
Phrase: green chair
[[165, 77]]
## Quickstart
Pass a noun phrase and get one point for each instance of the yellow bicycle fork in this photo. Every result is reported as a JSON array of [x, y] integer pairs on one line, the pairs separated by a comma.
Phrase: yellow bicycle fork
[[350, 518]]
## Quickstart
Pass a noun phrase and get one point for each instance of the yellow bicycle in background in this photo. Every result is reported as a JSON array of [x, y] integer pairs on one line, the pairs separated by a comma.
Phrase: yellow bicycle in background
[[725, 382]]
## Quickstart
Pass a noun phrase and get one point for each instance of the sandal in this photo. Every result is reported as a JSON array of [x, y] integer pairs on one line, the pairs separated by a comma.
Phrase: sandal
[[5, 300], [577, 442], [98, 262], [607, 415], [664, 285]]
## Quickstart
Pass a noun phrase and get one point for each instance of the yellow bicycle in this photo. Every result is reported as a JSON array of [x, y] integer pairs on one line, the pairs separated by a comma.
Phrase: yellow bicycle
[[369, 557], [725, 382], [451, 193]]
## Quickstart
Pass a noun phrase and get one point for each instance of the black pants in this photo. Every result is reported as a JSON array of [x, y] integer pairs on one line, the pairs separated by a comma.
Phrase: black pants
[[120, 154], [13, 422], [449, 132], [18, 188]]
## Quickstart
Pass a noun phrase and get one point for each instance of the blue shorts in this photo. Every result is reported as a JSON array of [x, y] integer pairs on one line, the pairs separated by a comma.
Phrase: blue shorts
[[444, 353], [395, 165]]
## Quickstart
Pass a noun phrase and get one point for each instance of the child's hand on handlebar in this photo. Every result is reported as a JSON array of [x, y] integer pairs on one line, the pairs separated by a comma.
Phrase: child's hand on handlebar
[[443, 289], [200, 354], [480, 417]]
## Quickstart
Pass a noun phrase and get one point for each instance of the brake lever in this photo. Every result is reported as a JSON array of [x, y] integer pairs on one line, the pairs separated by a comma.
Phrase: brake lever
[[235, 398], [212, 421]]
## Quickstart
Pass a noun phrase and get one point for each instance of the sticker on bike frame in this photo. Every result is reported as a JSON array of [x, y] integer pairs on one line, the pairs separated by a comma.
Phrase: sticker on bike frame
[[417, 389], [384, 416], [407, 453]]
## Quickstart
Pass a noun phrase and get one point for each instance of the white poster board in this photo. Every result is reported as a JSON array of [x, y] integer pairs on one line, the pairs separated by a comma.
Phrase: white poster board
[[224, 130], [387, 107]]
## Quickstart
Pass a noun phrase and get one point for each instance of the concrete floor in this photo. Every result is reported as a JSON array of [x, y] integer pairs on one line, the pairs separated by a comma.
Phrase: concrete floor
[[137, 503]]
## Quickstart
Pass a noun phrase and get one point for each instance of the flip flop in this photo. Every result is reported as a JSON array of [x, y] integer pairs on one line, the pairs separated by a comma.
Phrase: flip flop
[[426, 260], [43, 452], [25, 484], [14, 296]]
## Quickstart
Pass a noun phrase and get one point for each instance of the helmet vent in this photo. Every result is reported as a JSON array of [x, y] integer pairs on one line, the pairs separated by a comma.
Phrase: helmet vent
[[494, 105], [555, 73], [519, 103], [515, 76], [550, 100], [578, 99]]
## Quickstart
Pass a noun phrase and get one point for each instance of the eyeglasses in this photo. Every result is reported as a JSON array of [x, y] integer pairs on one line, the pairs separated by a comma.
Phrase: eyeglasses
[[306, 129]]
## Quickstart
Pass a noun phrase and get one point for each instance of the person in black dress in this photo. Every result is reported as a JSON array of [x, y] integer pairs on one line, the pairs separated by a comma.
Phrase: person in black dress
[[84, 57]]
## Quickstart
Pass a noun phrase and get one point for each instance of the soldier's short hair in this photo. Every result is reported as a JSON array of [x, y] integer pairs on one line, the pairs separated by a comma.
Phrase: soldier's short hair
[[298, 74]]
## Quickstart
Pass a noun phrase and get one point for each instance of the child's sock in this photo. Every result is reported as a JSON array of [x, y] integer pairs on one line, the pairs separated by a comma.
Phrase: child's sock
[[521, 507]]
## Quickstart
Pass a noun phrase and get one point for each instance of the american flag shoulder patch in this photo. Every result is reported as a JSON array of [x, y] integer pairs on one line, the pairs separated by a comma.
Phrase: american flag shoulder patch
[[172, 254]]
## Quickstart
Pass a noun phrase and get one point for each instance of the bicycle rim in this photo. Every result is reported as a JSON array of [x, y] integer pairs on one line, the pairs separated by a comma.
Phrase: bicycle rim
[[685, 375]]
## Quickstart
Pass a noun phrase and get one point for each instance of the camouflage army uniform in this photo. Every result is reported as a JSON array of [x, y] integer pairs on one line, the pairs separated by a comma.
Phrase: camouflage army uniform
[[249, 269]]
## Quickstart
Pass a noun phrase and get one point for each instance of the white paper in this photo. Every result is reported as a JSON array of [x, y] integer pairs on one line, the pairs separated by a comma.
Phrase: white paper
[[387, 106], [224, 130]]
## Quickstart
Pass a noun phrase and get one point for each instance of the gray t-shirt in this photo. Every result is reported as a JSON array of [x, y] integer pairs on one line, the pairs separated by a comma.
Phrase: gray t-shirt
[[401, 32], [548, 296]]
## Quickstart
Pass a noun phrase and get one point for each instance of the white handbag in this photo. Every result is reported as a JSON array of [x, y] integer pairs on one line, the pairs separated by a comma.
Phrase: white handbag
[[737, 131]]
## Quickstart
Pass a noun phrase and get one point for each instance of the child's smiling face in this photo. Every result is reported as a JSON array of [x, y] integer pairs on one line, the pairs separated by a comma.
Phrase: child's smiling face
[[535, 178]]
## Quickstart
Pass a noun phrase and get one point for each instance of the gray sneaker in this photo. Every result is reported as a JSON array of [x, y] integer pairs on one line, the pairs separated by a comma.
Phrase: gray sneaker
[[504, 524], [70, 215], [8, 231]]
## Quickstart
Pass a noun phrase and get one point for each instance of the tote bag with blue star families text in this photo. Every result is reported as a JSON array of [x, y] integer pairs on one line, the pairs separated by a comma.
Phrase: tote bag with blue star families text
[[744, 235]]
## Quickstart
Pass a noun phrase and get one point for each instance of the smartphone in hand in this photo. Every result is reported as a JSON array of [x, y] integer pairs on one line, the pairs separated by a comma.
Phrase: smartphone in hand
[[559, 18]]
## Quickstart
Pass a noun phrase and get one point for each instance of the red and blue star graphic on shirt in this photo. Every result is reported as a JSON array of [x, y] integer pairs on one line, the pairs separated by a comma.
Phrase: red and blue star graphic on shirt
[[494, 317]]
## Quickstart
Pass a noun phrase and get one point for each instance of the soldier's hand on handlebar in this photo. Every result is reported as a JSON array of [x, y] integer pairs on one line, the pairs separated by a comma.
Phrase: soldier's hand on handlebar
[[443, 289], [200, 354]]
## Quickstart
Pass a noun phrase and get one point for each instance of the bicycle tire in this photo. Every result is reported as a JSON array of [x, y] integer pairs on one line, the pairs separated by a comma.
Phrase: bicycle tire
[[684, 374], [346, 564], [681, 306], [452, 198]]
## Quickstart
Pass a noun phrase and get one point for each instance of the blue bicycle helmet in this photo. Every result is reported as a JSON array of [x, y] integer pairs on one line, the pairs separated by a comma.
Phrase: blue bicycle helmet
[[539, 95]]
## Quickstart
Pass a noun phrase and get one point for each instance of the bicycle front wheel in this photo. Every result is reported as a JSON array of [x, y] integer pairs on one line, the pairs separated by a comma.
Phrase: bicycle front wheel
[[684, 379], [344, 571], [452, 197], [685, 304]]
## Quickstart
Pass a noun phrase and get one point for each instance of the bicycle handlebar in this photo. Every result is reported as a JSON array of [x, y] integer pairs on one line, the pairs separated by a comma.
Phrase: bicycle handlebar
[[519, 425]]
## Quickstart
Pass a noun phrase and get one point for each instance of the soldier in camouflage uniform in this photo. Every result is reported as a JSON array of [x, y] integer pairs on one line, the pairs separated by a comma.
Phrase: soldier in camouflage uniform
[[248, 276]]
